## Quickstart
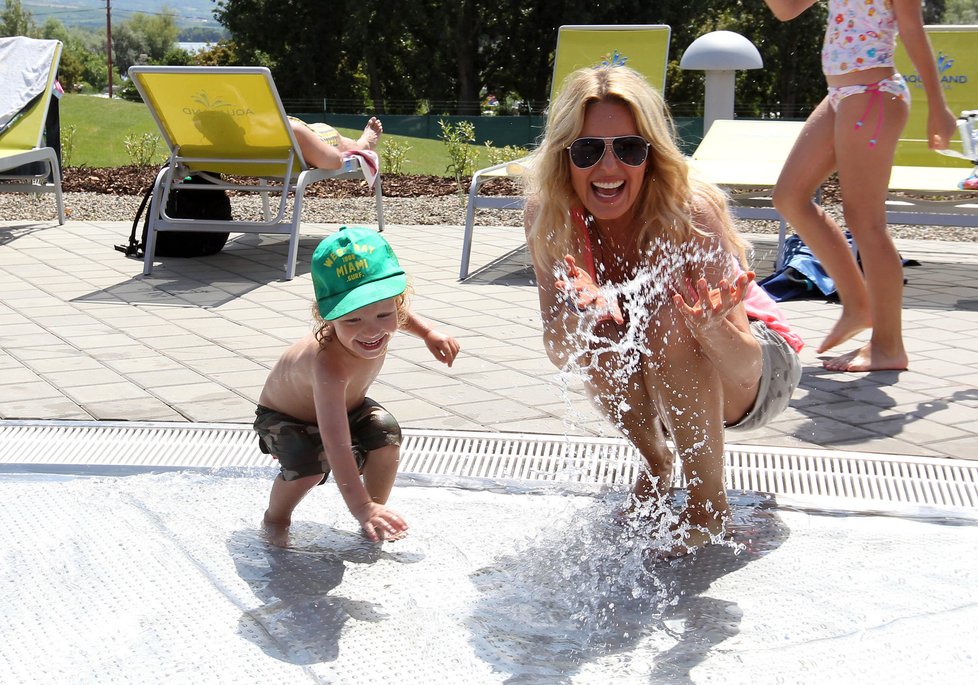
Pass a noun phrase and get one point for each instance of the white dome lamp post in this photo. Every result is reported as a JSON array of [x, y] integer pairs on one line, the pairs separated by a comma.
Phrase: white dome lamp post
[[720, 54]]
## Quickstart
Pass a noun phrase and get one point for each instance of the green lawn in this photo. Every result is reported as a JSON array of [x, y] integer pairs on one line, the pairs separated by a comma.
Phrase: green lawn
[[102, 126]]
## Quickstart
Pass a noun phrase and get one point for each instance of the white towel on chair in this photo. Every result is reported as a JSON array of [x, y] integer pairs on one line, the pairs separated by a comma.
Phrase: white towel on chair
[[25, 65]]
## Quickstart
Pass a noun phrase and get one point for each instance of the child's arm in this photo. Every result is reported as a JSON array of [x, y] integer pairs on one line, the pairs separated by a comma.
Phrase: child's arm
[[786, 10], [444, 347], [941, 122], [329, 390]]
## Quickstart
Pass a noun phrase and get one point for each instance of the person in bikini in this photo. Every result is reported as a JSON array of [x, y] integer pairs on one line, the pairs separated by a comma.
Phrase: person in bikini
[[322, 145], [693, 345], [313, 413], [854, 131]]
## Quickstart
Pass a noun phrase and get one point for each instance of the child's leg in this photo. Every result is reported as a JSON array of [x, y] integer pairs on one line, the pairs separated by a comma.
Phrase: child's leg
[[379, 472], [285, 496], [810, 162], [864, 174]]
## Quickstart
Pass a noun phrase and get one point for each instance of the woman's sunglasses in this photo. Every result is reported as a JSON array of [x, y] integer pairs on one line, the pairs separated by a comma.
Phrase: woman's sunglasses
[[630, 150]]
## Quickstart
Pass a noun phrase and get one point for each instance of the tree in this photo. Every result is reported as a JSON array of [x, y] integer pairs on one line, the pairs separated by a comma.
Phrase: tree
[[16, 21], [82, 57], [961, 12], [144, 38]]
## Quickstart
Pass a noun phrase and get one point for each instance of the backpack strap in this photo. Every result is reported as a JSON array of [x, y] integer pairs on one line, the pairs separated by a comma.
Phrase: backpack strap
[[134, 247]]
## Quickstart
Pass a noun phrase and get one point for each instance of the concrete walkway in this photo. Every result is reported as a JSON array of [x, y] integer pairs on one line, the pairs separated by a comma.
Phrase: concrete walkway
[[83, 336]]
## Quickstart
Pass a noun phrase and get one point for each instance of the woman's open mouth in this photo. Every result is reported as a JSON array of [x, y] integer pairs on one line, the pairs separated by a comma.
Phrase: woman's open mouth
[[607, 190]]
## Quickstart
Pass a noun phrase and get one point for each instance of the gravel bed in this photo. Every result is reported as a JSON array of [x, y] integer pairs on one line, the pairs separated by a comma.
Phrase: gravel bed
[[428, 210]]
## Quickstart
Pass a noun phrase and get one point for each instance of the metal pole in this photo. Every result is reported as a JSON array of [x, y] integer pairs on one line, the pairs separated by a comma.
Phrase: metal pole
[[108, 35]]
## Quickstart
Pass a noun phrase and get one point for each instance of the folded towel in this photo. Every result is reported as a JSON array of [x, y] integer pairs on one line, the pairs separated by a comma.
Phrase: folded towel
[[25, 64], [369, 162]]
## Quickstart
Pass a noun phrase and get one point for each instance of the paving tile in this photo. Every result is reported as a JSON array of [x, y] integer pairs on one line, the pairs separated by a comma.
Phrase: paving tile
[[190, 393], [228, 409], [43, 408], [920, 431], [497, 411], [89, 394], [132, 409]]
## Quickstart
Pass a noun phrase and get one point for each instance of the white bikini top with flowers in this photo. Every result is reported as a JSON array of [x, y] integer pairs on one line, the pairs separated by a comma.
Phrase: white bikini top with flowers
[[861, 34]]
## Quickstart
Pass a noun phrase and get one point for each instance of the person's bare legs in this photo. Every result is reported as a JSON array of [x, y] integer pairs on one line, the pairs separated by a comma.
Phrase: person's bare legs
[[317, 152], [687, 390], [371, 134], [368, 139], [810, 162], [284, 498], [640, 424], [864, 174], [734, 351], [379, 472]]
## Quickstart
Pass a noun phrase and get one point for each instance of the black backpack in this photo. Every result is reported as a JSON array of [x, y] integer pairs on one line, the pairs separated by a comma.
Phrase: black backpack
[[186, 204]]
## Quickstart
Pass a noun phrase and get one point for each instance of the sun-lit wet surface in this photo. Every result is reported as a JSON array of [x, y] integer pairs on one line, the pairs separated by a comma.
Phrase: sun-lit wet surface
[[154, 577]]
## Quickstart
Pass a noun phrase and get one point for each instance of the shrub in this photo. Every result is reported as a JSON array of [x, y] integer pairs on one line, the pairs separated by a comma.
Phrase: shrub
[[142, 148], [393, 154], [462, 157]]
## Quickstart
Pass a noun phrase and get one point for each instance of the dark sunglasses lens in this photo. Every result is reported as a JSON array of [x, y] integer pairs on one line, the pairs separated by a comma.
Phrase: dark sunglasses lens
[[586, 152], [631, 150]]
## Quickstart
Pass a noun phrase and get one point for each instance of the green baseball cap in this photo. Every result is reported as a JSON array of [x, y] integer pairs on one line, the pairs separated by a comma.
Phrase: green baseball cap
[[353, 268]]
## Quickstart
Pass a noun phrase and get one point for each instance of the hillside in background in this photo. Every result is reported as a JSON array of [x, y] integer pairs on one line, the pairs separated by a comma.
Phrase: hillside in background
[[91, 13]]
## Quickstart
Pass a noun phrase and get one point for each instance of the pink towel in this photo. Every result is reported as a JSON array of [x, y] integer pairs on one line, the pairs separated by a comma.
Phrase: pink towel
[[369, 162]]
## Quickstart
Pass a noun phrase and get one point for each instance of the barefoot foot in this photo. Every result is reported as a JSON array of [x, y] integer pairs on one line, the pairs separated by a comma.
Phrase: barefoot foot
[[371, 134], [276, 532], [847, 326], [690, 541], [867, 359]]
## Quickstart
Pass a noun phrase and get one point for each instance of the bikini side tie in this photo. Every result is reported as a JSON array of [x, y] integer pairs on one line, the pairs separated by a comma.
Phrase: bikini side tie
[[875, 95]]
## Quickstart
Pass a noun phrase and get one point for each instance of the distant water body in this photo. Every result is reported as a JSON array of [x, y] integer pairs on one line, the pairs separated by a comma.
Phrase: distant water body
[[193, 47]]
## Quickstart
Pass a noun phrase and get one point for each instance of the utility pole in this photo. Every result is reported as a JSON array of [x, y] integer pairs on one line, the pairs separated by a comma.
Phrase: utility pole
[[108, 37]]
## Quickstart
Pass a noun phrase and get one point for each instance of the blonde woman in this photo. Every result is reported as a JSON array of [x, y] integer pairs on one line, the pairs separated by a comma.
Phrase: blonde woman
[[643, 286]]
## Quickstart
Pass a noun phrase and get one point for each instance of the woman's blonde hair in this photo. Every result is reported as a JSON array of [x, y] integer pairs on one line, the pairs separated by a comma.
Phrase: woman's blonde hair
[[324, 329], [669, 200]]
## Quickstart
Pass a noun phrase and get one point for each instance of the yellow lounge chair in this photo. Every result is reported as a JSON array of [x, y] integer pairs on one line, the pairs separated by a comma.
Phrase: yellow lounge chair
[[643, 47], [745, 157], [230, 121], [29, 65]]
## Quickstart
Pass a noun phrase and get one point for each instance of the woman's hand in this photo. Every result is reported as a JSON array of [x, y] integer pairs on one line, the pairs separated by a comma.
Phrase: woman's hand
[[712, 306], [443, 347], [587, 293]]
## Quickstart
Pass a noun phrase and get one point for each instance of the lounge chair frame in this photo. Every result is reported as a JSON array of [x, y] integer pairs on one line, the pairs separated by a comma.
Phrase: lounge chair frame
[[22, 143], [280, 170]]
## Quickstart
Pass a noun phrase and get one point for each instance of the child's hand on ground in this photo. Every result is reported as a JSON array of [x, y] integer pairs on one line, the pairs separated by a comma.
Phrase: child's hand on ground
[[587, 294], [380, 523], [444, 347], [712, 306]]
